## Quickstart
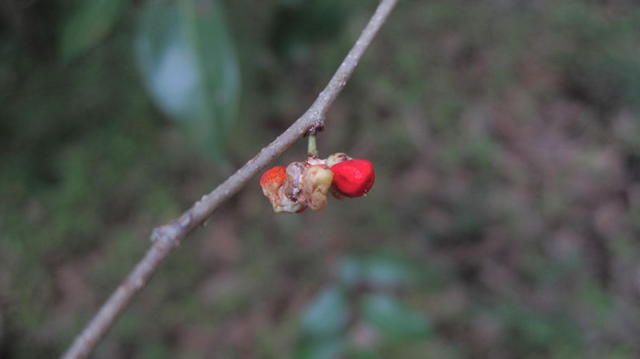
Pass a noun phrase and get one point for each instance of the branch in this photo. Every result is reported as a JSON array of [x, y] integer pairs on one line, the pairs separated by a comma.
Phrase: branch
[[166, 237]]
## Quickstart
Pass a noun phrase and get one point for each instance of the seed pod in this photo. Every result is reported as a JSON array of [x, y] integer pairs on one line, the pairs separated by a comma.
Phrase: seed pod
[[353, 178], [293, 185], [273, 183], [316, 182]]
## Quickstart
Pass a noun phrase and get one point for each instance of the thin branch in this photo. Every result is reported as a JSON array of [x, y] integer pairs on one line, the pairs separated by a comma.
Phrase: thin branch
[[166, 237]]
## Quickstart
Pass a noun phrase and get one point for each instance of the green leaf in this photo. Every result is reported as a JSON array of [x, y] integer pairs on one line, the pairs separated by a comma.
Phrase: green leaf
[[327, 315], [89, 23], [379, 270], [392, 319], [186, 56]]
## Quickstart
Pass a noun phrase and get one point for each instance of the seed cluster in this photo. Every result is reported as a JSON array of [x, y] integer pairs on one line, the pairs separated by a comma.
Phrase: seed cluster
[[302, 185]]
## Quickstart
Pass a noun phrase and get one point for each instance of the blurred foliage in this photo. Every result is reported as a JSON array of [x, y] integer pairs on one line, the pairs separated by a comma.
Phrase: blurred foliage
[[185, 53], [503, 224], [358, 305], [89, 23], [297, 24]]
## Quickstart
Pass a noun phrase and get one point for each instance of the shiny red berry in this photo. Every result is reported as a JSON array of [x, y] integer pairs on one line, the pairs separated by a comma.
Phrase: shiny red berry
[[353, 178]]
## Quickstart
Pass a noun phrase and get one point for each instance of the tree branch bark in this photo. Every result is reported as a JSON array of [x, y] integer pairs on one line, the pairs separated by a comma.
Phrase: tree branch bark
[[166, 237]]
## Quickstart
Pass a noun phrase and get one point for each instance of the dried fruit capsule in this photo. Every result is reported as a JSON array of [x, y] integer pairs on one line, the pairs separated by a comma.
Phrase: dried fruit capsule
[[353, 178], [316, 182], [273, 186]]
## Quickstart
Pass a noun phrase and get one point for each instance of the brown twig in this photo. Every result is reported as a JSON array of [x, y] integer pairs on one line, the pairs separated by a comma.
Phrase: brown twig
[[165, 238]]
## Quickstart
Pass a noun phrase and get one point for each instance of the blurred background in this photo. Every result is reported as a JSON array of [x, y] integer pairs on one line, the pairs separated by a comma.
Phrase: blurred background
[[503, 224]]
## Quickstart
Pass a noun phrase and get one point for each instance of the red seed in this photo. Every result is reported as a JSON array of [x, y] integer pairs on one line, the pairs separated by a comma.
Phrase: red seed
[[353, 178], [274, 177]]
